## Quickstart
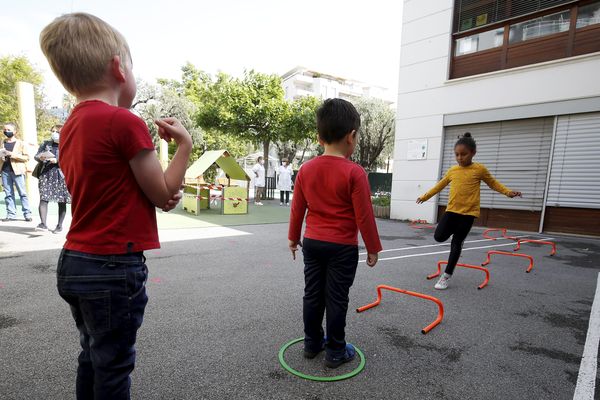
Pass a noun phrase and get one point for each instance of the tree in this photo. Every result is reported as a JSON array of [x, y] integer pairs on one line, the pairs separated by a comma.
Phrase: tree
[[299, 129], [16, 69], [376, 132], [165, 100], [252, 108]]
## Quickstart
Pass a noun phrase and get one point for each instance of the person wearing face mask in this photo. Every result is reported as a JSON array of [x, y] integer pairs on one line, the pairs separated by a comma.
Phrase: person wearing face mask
[[259, 181], [13, 164], [284, 181], [51, 181]]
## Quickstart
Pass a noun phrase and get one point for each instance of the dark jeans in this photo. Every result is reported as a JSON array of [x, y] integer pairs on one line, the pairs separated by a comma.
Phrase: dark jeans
[[107, 295], [329, 270], [287, 196], [458, 226]]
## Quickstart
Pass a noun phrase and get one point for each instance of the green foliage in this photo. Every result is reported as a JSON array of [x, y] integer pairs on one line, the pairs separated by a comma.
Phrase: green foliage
[[376, 133], [383, 199], [19, 69], [299, 129]]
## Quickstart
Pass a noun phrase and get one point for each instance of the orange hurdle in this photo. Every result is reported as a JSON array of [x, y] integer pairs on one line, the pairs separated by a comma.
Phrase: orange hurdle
[[489, 253], [485, 234], [414, 224], [439, 271], [429, 327], [553, 252]]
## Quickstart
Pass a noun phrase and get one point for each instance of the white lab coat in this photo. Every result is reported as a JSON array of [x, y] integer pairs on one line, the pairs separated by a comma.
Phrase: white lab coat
[[284, 178], [259, 181]]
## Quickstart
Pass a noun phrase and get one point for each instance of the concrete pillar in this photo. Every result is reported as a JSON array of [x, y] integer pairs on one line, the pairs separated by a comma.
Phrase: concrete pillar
[[28, 133], [163, 154]]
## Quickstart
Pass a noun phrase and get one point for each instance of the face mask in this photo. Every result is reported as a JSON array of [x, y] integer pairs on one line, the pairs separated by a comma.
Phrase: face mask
[[9, 134], [55, 137]]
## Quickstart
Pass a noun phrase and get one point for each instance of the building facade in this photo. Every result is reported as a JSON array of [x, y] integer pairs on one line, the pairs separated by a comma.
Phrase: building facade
[[301, 81], [522, 77]]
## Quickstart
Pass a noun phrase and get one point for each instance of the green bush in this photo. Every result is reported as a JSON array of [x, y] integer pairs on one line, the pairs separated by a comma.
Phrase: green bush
[[381, 199]]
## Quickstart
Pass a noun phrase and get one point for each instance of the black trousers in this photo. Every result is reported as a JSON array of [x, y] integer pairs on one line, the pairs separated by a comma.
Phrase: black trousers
[[287, 196], [329, 270], [458, 226]]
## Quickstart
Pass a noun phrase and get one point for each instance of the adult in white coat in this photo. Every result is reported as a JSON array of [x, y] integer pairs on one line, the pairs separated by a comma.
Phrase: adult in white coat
[[284, 181]]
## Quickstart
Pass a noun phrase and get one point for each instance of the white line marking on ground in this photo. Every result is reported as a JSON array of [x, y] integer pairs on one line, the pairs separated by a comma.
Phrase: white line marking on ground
[[442, 244], [448, 251], [586, 380]]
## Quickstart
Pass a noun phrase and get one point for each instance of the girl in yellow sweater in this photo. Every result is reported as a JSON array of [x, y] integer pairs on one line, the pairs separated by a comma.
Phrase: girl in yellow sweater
[[463, 202]]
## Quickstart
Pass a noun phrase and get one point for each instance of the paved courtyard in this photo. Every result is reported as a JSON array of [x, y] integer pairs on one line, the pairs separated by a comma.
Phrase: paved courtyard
[[223, 300]]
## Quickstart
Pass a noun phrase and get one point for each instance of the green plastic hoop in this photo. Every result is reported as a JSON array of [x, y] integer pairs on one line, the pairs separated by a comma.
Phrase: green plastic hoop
[[299, 374]]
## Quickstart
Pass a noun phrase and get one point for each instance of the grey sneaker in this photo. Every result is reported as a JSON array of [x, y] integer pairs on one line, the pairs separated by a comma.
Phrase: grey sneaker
[[443, 282], [41, 227]]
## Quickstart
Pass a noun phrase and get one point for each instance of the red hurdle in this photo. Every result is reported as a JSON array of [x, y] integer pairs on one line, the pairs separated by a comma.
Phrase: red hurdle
[[429, 327], [489, 253], [483, 284], [553, 252], [420, 224], [503, 230]]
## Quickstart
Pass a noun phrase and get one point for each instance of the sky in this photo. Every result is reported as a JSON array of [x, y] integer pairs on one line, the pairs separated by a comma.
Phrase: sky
[[352, 39]]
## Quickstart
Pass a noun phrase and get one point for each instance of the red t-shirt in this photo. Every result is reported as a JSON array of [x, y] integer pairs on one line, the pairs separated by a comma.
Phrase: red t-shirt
[[337, 195], [111, 214]]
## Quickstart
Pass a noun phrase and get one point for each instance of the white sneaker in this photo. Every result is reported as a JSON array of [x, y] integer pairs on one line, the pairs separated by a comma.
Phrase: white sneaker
[[443, 282], [280, 204]]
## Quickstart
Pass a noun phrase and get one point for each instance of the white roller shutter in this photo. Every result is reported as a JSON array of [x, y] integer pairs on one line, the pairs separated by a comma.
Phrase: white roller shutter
[[515, 152], [575, 173]]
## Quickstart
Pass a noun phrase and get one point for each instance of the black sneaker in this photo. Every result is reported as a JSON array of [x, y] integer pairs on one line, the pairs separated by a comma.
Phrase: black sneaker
[[334, 362], [28, 219], [41, 227], [58, 229], [312, 354]]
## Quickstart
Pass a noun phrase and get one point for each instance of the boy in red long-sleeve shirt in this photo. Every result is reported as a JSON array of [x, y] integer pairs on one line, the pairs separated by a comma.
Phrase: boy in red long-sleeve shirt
[[336, 193]]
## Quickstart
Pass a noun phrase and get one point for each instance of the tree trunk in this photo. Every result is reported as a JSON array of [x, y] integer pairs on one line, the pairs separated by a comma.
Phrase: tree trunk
[[266, 145]]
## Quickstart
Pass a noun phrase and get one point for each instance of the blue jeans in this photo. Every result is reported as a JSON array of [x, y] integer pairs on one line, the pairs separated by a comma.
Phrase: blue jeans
[[8, 180], [107, 295]]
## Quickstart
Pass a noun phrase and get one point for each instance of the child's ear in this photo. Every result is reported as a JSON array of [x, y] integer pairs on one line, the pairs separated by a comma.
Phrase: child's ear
[[351, 136], [116, 69]]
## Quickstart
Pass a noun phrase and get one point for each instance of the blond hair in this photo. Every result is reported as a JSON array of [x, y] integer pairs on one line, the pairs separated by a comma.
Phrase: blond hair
[[79, 47]]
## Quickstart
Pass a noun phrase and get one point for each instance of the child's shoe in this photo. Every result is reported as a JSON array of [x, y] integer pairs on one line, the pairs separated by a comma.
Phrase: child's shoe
[[312, 354], [334, 362], [41, 227], [443, 282]]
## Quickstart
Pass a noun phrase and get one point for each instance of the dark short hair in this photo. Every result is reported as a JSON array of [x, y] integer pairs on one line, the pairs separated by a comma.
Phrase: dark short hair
[[335, 119], [467, 140], [259, 158]]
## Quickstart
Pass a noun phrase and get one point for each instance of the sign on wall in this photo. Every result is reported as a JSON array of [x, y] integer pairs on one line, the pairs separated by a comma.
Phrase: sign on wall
[[417, 149]]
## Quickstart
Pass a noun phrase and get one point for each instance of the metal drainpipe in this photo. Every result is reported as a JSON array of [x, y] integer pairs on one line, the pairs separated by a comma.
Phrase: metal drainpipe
[[550, 159]]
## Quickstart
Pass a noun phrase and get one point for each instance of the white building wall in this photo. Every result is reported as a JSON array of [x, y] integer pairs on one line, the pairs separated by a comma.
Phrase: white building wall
[[425, 95]]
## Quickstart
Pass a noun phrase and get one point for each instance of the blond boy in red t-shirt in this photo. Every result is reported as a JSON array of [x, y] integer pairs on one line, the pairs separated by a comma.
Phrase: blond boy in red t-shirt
[[116, 181], [335, 192]]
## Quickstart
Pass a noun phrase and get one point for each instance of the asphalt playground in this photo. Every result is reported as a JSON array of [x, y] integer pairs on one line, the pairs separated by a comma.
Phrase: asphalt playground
[[223, 300]]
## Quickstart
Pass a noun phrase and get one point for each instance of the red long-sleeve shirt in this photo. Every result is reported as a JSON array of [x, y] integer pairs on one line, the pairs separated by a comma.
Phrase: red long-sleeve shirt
[[338, 198]]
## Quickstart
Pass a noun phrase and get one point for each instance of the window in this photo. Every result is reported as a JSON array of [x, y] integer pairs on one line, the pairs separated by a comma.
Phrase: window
[[470, 14], [479, 42], [538, 27], [588, 15]]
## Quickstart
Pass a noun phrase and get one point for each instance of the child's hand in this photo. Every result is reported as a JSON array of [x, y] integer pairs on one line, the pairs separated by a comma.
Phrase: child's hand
[[514, 194], [172, 203], [293, 245], [420, 200], [171, 128], [372, 259]]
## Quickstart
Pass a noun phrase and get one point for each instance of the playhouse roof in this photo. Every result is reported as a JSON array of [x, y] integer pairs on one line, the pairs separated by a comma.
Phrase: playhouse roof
[[223, 159]]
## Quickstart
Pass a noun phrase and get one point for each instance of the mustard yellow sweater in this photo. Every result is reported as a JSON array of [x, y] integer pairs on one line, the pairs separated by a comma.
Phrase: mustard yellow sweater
[[464, 188]]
